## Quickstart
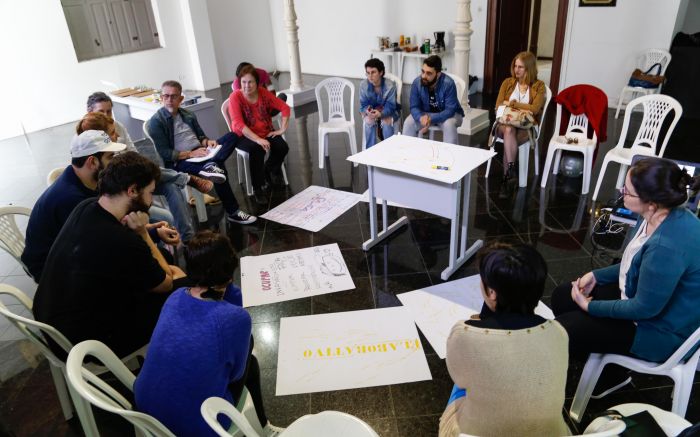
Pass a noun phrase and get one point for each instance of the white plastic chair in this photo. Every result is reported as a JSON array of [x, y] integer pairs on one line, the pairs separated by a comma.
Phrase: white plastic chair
[[682, 373], [337, 120], [36, 333], [95, 391], [577, 128], [651, 57], [326, 423], [524, 148], [53, 175], [656, 108], [397, 123], [11, 238], [461, 87], [243, 157], [200, 205]]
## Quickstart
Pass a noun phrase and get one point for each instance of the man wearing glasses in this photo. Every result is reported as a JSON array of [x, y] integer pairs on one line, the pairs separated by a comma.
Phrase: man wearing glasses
[[178, 137]]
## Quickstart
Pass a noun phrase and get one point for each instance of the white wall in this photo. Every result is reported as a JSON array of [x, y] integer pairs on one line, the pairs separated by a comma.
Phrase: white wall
[[602, 44], [46, 83], [691, 24], [548, 28], [241, 32], [336, 36]]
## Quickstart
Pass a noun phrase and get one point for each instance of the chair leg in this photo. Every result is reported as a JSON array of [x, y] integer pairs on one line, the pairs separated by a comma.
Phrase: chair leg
[[321, 151], [557, 162], [547, 163], [284, 174], [353, 143], [523, 162], [59, 381], [84, 411], [621, 176], [683, 386], [587, 170], [537, 158], [248, 179], [600, 178], [200, 206], [589, 378], [619, 103], [239, 165], [488, 167]]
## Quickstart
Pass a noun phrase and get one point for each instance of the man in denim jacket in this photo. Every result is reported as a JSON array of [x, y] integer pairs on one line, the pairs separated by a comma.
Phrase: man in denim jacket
[[378, 105], [434, 102], [178, 137]]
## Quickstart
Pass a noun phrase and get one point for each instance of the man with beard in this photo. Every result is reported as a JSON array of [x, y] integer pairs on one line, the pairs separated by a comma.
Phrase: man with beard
[[104, 278], [434, 102], [90, 153]]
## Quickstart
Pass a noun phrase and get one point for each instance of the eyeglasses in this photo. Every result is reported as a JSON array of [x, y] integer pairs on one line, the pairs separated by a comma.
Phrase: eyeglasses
[[169, 96], [626, 192]]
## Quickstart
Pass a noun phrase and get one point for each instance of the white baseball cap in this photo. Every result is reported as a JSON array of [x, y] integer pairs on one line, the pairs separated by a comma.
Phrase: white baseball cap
[[91, 142]]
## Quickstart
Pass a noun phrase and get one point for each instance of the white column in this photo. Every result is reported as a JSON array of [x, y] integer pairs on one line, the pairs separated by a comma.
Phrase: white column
[[474, 119], [298, 93]]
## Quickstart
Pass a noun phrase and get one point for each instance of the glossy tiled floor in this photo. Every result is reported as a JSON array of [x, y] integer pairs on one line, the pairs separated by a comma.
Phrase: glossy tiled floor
[[412, 259]]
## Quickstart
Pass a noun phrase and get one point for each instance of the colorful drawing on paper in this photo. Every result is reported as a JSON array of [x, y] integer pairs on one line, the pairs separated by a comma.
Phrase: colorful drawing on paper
[[436, 309], [282, 276], [347, 350], [313, 209]]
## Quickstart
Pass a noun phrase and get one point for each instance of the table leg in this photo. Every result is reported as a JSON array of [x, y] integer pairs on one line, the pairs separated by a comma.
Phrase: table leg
[[377, 237], [455, 261]]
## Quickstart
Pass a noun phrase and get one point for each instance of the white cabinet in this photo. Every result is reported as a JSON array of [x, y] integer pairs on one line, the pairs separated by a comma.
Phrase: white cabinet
[[101, 28]]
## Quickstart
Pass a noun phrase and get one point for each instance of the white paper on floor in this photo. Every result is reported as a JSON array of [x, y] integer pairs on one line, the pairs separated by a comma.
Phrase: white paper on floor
[[294, 274], [313, 209], [347, 350], [436, 309]]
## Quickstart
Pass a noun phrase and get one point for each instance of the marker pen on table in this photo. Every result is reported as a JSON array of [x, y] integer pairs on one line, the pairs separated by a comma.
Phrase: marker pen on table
[[440, 167]]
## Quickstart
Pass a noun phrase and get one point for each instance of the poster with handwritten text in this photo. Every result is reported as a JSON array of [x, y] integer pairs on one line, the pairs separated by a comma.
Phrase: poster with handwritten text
[[281, 276], [354, 349], [313, 209], [436, 309]]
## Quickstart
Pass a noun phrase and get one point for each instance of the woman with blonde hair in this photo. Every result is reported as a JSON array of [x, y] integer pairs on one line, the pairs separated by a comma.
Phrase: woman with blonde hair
[[520, 91]]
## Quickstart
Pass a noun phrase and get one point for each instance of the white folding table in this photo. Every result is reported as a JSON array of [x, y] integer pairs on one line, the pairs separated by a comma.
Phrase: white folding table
[[427, 175]]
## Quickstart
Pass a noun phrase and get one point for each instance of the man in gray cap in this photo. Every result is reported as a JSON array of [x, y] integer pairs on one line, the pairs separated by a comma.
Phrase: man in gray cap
[[90, 152]]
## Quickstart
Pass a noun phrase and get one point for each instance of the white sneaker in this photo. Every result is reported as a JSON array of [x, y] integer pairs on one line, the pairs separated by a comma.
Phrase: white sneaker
[[271, 430]]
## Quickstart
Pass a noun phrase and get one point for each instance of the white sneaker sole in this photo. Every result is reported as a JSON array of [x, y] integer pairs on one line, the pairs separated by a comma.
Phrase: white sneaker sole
[[217, 178], [242, 222]]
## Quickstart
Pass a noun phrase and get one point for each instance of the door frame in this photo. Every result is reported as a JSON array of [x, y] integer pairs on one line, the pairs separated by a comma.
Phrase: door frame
[[490, 51]]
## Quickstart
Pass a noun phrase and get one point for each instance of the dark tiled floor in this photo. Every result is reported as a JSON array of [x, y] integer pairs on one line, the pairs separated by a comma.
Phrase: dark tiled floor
[[411, 259]]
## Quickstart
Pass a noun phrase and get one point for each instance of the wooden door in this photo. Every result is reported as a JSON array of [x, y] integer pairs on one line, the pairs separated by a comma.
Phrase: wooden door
[[507, 31]]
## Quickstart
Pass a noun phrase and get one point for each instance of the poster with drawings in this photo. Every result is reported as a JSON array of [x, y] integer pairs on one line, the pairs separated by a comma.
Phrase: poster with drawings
[[436, 309], [282, 276], [313, 209]]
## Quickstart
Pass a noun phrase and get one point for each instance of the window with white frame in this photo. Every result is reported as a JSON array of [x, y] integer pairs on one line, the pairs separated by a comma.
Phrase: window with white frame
[[102, 28]]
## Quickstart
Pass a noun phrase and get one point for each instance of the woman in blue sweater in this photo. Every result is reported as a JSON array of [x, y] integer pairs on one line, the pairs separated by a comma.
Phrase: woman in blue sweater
[[645, 306], [201, 346]]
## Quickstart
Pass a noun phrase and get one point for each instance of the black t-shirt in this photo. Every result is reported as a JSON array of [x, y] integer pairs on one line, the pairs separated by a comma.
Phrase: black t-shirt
[[432, 101], [96, 282]]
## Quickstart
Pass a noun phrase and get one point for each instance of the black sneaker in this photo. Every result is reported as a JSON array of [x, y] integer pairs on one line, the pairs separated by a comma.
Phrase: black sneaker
[[213, 173], [240, 217]]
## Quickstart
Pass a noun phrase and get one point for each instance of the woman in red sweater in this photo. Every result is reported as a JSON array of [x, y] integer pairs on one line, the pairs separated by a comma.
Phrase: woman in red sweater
[[249, 109]]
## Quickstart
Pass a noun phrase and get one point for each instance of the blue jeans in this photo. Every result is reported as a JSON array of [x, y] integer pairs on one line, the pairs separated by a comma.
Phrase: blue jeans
[[223, 190], [170, 185], [371, 130]]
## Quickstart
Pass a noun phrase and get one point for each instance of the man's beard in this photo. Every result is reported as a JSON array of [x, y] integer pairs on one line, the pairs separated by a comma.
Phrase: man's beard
[[138, 205], [428, 83]]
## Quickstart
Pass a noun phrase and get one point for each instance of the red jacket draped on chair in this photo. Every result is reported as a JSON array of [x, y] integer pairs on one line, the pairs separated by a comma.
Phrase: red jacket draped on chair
[[588, 100]]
